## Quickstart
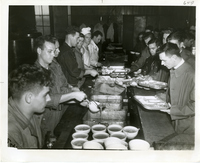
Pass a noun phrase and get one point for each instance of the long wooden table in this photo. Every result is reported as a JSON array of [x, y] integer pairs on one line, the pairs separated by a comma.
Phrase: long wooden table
[[155, 124]]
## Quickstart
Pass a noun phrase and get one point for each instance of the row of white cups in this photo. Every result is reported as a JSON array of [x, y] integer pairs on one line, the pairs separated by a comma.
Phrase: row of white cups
[[112, 137]]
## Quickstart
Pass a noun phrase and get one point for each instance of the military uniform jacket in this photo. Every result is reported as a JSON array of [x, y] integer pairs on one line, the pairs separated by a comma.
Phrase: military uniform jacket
[[182, 91], [23, 133], [69, 65]]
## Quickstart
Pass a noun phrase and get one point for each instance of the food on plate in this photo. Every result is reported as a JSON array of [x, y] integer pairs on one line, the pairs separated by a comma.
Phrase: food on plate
[[152, 102], [162, 104], [152, 84], [113, 75], [121, 75], [115, 70]]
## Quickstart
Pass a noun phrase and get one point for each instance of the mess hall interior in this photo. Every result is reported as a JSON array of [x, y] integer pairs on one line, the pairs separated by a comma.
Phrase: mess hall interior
[[101, 77]]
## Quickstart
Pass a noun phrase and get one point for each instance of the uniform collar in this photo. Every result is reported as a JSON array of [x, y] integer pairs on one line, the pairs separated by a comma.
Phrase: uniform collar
[[180, 63], [180, 70], [66, 44], [37, 63]]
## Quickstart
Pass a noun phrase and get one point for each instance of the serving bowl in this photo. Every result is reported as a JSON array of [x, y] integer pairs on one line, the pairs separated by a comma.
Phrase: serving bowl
[[82, 128], [92, 145], [98, 128], [116, 147], [139, 145], [119, 135], [82, 135], [130, 131], [100, 136], [78, 143], [114, 128], [111, 141]]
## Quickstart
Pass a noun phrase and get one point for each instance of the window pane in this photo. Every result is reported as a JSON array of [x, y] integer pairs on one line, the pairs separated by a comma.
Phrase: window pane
[[40, 29], [38, 10], [46, 21], [45, 10], [47, 31], [38, 20]]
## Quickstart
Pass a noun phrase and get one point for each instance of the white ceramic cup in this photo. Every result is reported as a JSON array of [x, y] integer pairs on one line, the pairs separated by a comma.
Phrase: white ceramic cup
[[82, 135], [92, 145], [82, 128], [130, 131], [113, 140], [78, 143], [98, 128], [114, 128], [100, 136], [119, 135], [116, 147], [139, 145]]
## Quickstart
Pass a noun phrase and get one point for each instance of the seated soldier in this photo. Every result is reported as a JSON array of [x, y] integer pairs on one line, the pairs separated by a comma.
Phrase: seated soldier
[[145, 53], [67, 58], [29, 87], [79, 57], [153, 65], [60, 93]]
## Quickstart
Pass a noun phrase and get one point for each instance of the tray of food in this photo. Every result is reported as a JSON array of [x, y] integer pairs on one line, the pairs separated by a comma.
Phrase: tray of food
[[133, 81], [151, 102], [116, 67], [153, 84], [117, 75], [118, 70]]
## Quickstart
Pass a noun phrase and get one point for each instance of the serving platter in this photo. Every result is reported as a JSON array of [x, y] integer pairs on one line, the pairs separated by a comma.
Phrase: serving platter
[[153, 84], [116, 70], [151, 102], [144, 82]]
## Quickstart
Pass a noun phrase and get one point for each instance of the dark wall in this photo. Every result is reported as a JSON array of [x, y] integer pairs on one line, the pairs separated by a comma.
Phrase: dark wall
[[60, 21], [21, 20], [159, 16], [22, 32]]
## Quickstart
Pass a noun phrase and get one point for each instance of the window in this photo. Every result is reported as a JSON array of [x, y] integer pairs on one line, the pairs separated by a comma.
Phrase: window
[[42, 19]]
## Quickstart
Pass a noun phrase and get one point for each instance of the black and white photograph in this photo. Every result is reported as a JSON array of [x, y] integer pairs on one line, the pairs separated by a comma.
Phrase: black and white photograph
[[99, 81]]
